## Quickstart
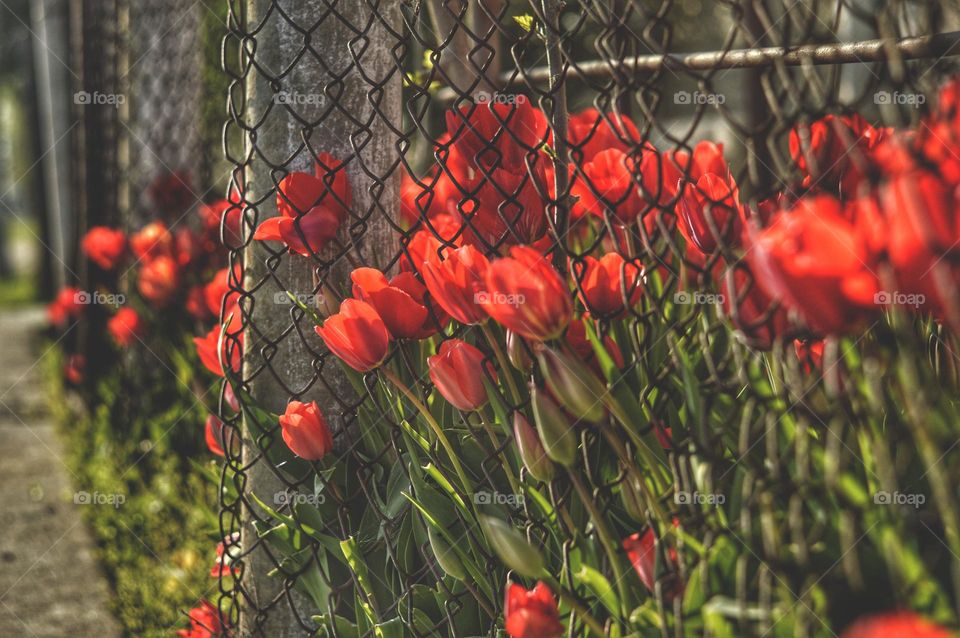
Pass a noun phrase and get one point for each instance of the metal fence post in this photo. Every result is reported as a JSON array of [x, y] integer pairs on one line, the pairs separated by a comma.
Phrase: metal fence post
[[343, 56]]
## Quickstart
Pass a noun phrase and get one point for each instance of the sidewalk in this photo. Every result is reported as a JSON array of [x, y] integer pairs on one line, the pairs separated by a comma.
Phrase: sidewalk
[[50, 584]]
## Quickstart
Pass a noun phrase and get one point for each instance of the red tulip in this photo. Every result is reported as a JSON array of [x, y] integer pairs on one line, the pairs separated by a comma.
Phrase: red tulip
[[426, 243], [897, 624], [126, 326], [608, 184], [306, 235], [457, 282], [153, 240], [836, 154], [525, 294], [218, 288], [495, 136], [604, 284], [305, 431], [68, 304], [214, 435], [660, 175], [812, 260], [104, 246], [531, 614], [356, 335], [205, 622], [400, 302], [642, 551], [457, 371], [225, 556], [159, 280], [212, 350], [224, 213], [591, 132], [708, 212], [758, 318], [75, 369], [505, 207], [706, 159], [810, 354]]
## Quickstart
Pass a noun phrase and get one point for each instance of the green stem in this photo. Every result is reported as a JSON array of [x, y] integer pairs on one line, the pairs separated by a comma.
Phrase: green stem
[[502, 361], [511, 478]]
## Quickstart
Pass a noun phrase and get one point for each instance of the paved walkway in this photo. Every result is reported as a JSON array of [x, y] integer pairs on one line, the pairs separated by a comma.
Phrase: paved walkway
[[50, 584]]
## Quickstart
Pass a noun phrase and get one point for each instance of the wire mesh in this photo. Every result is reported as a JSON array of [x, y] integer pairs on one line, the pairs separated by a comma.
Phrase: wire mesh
[[382, 92]]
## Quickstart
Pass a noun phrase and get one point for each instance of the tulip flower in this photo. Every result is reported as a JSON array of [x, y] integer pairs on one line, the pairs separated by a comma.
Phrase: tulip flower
[[531, 614], [606, 282], [212, 350], [896, 624], [426, 244], [304, 430], [205, 622], [356, 335], [708, 213], [218, 288], [400, 302], [557, 434], [153, 240], [225, 556], [497, 135], [642, 551], [590, 132], [505, 207], [576, 386], [660, 176], [531, 450], [104, 246], [753, 313], [213, 435], [126, 326], [525, 294], [457, 371], [810, 354], [159, 280], [608, 185], [833, 152], [518, 352], [75, 369], [457, 282], [812, 260], [68, 304]]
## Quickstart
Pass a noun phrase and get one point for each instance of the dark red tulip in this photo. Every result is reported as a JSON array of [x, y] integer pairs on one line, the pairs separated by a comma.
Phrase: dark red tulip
[[400, 302], [531, 614], [498, 135], [305, 431], [895, 624], [214, 435], [812, 260], [126, 326], [527, 295], [606, 283], [356, 335], [642, 551], [159, 280], [104, 246], [457, 371], [708, 212], [457, 282]]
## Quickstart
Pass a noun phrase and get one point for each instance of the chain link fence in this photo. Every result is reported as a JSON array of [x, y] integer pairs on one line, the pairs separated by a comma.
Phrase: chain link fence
[[382, 96]]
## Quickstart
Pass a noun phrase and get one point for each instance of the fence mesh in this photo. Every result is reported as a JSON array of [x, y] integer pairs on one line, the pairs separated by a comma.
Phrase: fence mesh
[[384, 94]]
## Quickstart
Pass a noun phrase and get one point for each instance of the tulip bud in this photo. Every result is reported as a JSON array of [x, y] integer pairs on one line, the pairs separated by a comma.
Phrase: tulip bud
[[557, 435], [575, 384], [512, 548], [531, 450], [518, 354], [447, 559], [327, 302]]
